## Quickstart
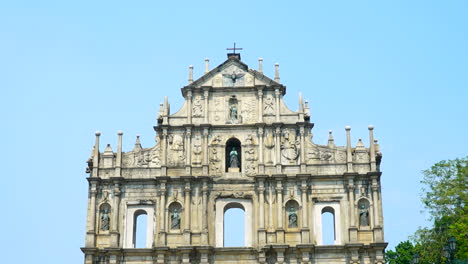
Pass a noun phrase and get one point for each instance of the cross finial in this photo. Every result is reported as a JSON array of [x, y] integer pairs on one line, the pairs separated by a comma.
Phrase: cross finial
[[234, 54]]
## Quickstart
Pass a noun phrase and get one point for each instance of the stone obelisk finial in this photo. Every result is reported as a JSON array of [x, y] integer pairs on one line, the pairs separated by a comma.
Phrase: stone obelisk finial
[[207, 65], [260, 65], [190, 76], [277, 78]]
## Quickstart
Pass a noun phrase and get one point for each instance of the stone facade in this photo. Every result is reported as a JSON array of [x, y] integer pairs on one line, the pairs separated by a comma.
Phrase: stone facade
[[235, 144]]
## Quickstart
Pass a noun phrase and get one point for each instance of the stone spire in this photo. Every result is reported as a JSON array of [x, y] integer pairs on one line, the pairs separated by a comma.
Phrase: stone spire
[[260, 65], [331, 141], [277, 78], [137, 144], [207, 65], [190, 76]]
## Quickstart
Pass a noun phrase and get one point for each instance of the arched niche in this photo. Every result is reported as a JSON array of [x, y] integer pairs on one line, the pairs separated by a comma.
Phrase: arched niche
[[104, 217], [233, 148], [175, 216], [364, 213], [224, 204], [292, 214]]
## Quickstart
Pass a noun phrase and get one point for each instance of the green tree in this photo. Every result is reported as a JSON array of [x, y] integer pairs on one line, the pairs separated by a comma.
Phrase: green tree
[[444, 196], [403, 254]]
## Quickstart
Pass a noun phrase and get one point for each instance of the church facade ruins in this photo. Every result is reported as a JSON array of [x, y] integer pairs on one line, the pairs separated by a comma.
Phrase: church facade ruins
[[235, 144]]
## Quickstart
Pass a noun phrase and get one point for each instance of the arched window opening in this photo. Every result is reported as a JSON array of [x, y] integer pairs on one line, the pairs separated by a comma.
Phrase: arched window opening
[[140, 229], [328, 226], [233, 155], [292, 214], [175, 216], [234, 225]]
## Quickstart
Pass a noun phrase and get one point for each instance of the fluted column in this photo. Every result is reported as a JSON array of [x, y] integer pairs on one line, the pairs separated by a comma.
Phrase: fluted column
[[261, 197], [278, 145], [204, 235], [91, 225], [352, 210], [375, 199], [164, 147], [189, 107], [279, 202], [260, 145], [162, 213], [206, 93], [188, 146], [260, 105], [115, 216], [277, 96], [304, 203], [187, 220]]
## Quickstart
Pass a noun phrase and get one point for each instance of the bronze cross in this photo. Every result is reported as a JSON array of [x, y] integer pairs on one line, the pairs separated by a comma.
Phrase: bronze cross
[[234, 49]]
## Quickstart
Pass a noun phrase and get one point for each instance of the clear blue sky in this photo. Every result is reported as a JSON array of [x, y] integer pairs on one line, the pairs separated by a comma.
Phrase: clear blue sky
[[69, 68]]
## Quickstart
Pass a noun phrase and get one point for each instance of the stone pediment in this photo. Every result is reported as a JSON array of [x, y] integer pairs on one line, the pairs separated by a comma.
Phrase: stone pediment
[[232, 73]]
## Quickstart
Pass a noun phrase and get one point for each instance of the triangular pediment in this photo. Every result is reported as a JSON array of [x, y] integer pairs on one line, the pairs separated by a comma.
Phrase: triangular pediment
[[233, 73]]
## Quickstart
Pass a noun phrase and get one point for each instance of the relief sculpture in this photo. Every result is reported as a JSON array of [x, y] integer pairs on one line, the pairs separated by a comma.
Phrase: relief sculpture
[[176, 146], [197, 108], [289, 146]]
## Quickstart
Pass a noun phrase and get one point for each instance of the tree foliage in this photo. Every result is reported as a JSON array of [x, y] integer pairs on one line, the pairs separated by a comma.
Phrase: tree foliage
[[444, 195], [403, 254]]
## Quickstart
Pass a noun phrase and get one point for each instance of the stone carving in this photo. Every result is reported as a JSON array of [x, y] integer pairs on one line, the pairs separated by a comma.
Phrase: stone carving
[[232, 195], [234, 158], [250, 169], [363, 189], [233, 114], [218, 109], [269, 105], [230, 79], [269, 144], [326, 155], [176, 145], [340, 156], [364, 215], [197, 108], [289, 146], [250, 140], [292, 217], [216, 140], [250, 154], [215, 166], [105, 219], [197, 151], [175, 218], [362, 157], [248, 112], [155, 156]]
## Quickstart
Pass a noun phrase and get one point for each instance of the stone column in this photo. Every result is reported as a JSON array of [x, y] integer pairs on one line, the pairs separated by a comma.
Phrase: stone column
[[204, 234], [261, 168], [115, 217], [162, 213], [164, 147], [352, 209], [279, 203], [277, 96], [375, 199], [260, 104], [188, 148], [187, 220], [189, 106], [205, 151], [303, 146], [305, 232], [206, 94], [278, 149], [261, 218], [90, 234]]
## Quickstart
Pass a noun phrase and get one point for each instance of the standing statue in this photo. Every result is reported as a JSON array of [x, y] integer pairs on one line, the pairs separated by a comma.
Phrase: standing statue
[[364, 216], [175, 219], [233, 113], [197, 109], [292, 217], [105, 219], [269, 144], [234, 160]]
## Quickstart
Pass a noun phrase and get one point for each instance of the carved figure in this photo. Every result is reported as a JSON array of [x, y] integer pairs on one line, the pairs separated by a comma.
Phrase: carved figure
[[250, 154], [214, 161], [364, 216], [268, 107], [154, 156], [175, 219], [216, 140], [197, 150], [250, 169], [177, 146], [197, 108], [289, 149], [292, 217], [105, 219], [363, 190], [250, 140], [234, 158], [269, 144], [233, 114]]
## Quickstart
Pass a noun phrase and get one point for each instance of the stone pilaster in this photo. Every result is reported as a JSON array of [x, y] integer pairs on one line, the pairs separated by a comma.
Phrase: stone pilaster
[[279, 208], [91, 225], [188, 149], [115, 216], [189, 106], [261, 217], [187, 220], [162, 213], [204, 234], [260, 104]]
